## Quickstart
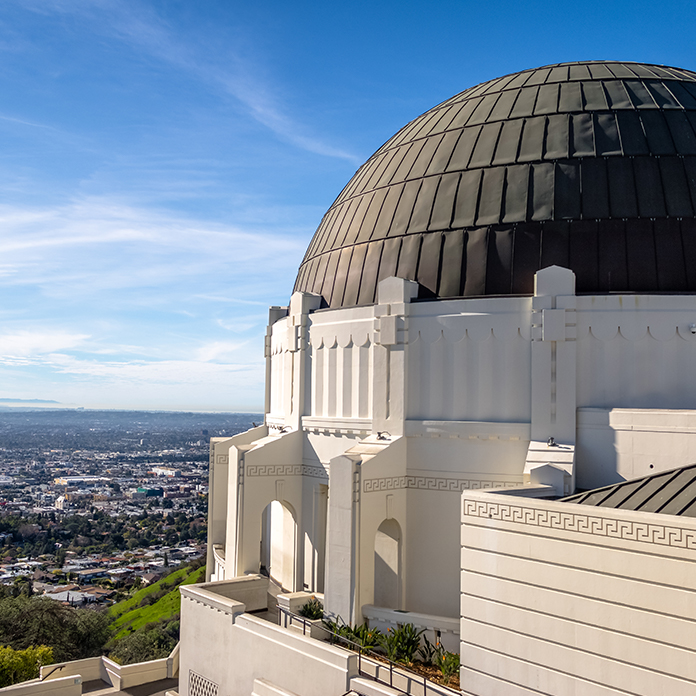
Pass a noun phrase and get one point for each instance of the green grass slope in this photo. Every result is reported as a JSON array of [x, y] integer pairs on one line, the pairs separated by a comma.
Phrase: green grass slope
[[130, 616]]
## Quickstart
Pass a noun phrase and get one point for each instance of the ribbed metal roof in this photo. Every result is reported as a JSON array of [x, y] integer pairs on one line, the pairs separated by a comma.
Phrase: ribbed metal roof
[[591, 166], [669, 492]]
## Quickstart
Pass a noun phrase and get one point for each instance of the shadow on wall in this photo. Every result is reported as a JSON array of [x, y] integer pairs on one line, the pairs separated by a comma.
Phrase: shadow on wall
[[279, 543], [388, 565]]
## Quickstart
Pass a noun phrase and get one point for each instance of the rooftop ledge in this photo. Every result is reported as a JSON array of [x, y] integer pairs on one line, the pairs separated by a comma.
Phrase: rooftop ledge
[[233, 597]]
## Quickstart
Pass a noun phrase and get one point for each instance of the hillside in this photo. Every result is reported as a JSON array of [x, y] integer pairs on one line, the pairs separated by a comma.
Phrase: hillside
[[157, 602]]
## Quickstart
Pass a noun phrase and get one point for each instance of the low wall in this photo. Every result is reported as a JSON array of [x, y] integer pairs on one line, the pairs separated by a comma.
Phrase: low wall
[[294, 601], [127, 676], [250, 590], [221, 646], [437, 628], [90, 669], [110, 672], [64, 686], [559, 598]]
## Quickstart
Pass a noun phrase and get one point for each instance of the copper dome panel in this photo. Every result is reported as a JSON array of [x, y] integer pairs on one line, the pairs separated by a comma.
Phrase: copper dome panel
[[591, 166]]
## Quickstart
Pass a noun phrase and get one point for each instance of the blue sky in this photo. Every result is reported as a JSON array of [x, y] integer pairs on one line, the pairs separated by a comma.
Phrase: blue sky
[[163, 165]]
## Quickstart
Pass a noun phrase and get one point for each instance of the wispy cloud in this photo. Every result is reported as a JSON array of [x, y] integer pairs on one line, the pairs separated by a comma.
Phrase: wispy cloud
[[25, 344], [241, 324], [138, 373], [219, 351], [144, 30], [101, 244]]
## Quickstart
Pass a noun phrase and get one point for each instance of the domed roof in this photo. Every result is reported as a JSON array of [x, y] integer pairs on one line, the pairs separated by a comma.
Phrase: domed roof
[[591, 166]]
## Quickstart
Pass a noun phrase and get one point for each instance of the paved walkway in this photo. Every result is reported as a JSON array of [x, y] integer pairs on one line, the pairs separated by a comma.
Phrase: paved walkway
[[271, 613]]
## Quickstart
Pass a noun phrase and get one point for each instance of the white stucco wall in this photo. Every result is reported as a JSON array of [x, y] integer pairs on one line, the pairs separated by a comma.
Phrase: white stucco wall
[[560, 598], [469, 360], [223, 647], [474, 388], [620, 444]]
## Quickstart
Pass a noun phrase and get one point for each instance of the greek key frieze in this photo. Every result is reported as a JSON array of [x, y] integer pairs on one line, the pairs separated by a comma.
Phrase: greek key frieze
[[384, 484], [281, 470], [431, 483], [581, 523]]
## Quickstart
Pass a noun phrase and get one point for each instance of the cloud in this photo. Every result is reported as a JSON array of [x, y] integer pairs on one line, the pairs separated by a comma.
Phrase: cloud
[[241, 324], [25, 344], [218, 351], [142, 372], [104, 244], [143, 29]]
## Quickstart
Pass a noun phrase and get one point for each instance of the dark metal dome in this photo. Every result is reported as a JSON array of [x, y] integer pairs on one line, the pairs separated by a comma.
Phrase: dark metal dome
[[591, 166]]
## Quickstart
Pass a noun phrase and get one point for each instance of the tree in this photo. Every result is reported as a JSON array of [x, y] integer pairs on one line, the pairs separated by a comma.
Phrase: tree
[[20, 665], [72, 633], [151, 642]]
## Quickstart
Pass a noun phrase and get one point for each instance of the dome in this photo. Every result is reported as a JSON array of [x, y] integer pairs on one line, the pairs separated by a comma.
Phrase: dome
[[590, 166]]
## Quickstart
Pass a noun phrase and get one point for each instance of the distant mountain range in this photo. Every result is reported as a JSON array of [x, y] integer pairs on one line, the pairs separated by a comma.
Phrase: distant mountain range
[[28, 401]]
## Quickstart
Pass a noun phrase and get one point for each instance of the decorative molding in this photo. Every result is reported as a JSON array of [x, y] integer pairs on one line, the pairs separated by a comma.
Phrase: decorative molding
[[582, 523], [281, 470], [222, 459], [347, 426], [428, 483]]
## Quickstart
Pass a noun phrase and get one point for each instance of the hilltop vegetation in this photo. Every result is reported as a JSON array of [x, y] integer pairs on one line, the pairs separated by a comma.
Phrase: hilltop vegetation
[[35, 621], [38, 630], [146, 626], [160, 601]]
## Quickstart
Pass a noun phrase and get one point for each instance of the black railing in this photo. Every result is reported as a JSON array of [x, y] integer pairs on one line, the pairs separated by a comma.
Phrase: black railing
[[55, 669], [374, 659]]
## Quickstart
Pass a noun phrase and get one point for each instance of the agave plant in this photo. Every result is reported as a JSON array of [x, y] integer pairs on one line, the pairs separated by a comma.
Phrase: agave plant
[[401, 645], [427, 651], [447, 662], [368, 638], [312, 609]]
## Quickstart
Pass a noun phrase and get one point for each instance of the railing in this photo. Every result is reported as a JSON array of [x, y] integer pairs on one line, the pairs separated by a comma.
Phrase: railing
[[378, 662], [286, 619]]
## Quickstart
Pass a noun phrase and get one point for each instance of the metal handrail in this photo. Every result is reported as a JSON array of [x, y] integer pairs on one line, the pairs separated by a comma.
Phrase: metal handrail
[[55, 669], [378, 657]]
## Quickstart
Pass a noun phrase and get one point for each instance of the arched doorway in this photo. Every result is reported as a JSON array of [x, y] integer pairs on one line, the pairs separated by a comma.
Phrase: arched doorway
[[279, 544], [388, 565]]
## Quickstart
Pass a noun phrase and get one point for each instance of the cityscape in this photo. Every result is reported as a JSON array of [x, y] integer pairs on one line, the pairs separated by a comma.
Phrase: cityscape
[[94, 496]]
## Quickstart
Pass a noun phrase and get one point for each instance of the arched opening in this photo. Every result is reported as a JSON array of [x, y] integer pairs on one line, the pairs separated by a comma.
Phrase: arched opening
[[388, 565], [279, 544]]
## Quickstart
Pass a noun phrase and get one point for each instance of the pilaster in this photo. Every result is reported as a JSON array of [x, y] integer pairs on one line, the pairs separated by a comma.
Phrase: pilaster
[[297, 356], [553, 372], [274, 314], [391, 354], [342, 544]]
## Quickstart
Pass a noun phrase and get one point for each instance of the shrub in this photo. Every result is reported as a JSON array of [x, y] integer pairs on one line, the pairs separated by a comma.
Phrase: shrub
[[447, 662], [312, 609], [401, 645], [427, 651], [152, 642], [72, 633], [367, 638], [20, 665]]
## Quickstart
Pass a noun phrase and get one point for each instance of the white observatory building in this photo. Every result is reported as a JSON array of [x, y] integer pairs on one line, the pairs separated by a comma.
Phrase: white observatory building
[[503, 297]]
